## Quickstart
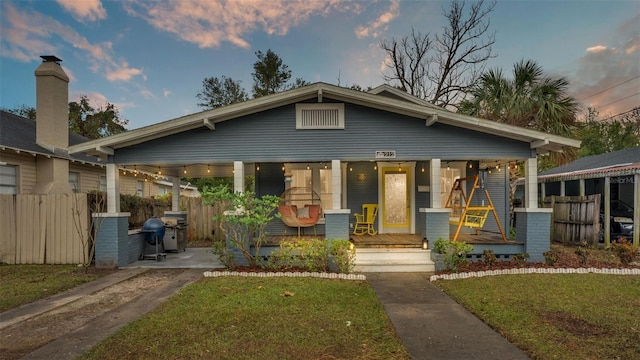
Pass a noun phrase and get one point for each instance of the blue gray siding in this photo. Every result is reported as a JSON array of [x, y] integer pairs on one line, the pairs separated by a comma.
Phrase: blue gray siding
[[271, 136]]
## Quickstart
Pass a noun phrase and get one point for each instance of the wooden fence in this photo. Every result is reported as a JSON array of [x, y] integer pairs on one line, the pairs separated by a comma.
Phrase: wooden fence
[[200, 223], [575, 218], [43, 229]]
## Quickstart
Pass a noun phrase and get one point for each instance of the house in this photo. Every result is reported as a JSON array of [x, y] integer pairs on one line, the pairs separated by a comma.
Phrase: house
[[352, 148], [34, 158], [615, 175]]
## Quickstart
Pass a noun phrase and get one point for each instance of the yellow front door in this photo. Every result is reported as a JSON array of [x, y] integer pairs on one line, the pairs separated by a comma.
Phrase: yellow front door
[[396, 204]]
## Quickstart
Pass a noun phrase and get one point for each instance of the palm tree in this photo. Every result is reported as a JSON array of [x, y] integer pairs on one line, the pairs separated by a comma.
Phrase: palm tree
[[529, 99]]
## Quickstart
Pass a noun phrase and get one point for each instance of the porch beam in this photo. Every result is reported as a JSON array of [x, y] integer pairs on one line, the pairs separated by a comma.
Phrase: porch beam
[[539, 143], [104, 150], [432, 119], [208, 122]]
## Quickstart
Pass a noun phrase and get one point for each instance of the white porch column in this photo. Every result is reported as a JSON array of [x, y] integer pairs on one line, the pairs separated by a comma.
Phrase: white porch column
[[607, 212], [531, 183], [563, 185], [336, 184], [636, 209], [113, 188], [238, 176], [175, 194], [582, 187], [434, 180]]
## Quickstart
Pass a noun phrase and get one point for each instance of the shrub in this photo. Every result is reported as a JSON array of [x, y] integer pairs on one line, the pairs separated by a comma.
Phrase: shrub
[[343, 253], [583, 252], [551, 257], [625, 250], [455, 252], [489, 257], [520, 258]]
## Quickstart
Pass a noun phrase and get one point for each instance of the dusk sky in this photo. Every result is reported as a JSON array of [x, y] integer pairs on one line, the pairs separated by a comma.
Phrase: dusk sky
[[149, 58]]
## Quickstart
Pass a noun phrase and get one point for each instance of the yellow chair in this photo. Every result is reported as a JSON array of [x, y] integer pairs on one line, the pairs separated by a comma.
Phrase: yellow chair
[[365, 221]]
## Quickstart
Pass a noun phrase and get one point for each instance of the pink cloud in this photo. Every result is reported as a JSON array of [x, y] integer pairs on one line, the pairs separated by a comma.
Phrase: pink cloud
[[29, 34], [374, 28], [82, 10], [608, 75], [210, 23]]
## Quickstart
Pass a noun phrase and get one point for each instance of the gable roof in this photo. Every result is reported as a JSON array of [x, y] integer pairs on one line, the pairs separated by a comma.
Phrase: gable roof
[[616, 163], [405, 105], [19, 134]]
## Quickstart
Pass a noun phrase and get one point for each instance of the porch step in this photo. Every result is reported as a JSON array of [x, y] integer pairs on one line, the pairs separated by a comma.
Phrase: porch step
[[393, 260]]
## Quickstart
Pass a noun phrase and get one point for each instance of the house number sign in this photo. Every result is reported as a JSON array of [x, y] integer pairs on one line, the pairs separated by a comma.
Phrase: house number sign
[[387, 154]]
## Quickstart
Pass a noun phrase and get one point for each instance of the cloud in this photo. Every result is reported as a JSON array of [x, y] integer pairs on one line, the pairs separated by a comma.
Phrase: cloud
[[608, 74], [29, 34], [166, 92], [375, 27], [210, 23], [82, 10]]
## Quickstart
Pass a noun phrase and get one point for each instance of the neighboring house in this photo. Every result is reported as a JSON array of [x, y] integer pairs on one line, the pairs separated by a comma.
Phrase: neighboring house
[[615, 175], [20, 156], [383, 147]]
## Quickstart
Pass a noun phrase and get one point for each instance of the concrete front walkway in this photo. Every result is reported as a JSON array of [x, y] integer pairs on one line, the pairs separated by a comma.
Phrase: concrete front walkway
[[433, 326]]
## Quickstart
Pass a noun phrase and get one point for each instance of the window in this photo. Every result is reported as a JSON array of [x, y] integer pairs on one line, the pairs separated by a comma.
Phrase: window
[[74, 181], [320, 116], [8, 179], [140, 188], [316, 177], [162, 190], [103, 183]]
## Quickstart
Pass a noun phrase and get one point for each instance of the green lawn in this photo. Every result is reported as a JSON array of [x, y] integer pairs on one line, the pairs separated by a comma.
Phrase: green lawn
[[562, 316], [22, 284], [261, 318]]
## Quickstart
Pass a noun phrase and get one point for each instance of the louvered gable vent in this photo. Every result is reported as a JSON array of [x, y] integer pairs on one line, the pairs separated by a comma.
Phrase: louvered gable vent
[[320, 116]]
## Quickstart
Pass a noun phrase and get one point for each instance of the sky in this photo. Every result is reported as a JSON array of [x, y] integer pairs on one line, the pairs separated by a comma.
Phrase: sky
[[149, 58]]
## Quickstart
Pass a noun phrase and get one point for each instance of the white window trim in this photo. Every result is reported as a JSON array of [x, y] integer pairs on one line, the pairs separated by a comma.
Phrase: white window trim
[[17, 177], [300, 108]]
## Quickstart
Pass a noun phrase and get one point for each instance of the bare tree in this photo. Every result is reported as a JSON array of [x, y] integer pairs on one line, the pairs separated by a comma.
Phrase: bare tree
[[441, 68]]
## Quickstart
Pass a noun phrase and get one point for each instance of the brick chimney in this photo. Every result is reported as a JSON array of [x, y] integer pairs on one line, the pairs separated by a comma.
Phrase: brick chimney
[[52, 126]]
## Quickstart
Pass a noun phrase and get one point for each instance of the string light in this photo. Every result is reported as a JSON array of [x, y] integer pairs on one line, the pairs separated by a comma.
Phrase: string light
[[159, 171], [375, 167], [307, 166], [184, 169], [282, 167], [448, 167], [208, 169], [258, 167], [135, 170]]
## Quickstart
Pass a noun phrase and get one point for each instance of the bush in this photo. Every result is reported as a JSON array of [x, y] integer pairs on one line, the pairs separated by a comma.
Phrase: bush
[[625, 250], [583, 252], [313, 255], [455, 252], [551, 257], [520, 258], [489, 257]]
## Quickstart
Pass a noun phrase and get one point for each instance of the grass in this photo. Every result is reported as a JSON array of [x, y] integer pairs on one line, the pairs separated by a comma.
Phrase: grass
[[22, 284], [253, 318], [562, 316]]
